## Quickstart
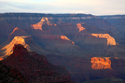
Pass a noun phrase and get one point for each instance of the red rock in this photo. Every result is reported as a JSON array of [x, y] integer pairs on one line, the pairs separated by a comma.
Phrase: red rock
[[79, 26], [33, 69], [110, 40], [16, 32]]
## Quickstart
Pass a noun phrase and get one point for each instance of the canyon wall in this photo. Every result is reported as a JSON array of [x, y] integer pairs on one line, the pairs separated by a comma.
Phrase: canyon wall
[[110, 40], [101, 63]]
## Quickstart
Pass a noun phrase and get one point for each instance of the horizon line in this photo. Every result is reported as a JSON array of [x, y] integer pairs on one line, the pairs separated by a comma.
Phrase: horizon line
[[61, 13]]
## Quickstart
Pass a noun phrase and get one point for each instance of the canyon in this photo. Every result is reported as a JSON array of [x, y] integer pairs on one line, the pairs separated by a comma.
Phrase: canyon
[[85, 46]]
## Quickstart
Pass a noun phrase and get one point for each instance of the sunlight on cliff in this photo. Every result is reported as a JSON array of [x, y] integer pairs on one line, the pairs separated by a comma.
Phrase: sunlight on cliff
[[64, 37], [72, 42], [110, 40], [37, 26], [44, 20], [101, 63], [17, 40], [79, 26], [1, 58], [14, 30]]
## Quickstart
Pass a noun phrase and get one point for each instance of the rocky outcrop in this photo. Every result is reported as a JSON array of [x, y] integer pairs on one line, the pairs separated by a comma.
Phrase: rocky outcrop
[[64, 37], [26, 41], [17, 40], [57, 44], [44, 20], [53, 37], [110, 40], [17, 32], [39, 25], [34, 69], [82, 69], [68, 34], [101, 63], [79, 26], [87, 39], [119, 22]]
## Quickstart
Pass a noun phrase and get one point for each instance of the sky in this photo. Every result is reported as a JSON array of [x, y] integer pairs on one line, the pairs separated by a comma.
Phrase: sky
[[95, 7]]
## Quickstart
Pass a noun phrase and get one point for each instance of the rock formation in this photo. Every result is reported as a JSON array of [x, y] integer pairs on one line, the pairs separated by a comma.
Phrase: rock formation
[[16, 40], [37, 26], [35, 68], [101, 63], [78, 37], [88, 40], [44, 20], [110, 40], [26, 41], [79, 26], [17, 32], [57, 43], [64, 37]]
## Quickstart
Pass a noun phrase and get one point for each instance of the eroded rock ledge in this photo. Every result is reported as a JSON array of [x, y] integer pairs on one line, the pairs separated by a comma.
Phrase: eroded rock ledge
[[110, 40]]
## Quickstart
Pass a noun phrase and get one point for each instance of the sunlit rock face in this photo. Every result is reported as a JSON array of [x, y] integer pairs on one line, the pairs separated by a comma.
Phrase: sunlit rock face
[[1, 59], [17, 32], [57, 44], [87, 39], [64, 37], [44, 20], [14, 30], [110, 40], [79, 26], [101, 63], [54, 38], [37, 26], [16, 40], [26, 41]]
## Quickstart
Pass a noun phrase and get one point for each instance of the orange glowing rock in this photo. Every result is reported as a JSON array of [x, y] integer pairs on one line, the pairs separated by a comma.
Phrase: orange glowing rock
[[64, 37], [55, 24], [72, 42], [101, 63], [16, 40], [110, 40], [44, 20], [14, 30], [36, 26], [1, 59], [79, 26]]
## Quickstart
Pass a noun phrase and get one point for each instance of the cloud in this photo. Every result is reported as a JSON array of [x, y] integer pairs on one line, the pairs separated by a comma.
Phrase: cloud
[[95, 7]]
